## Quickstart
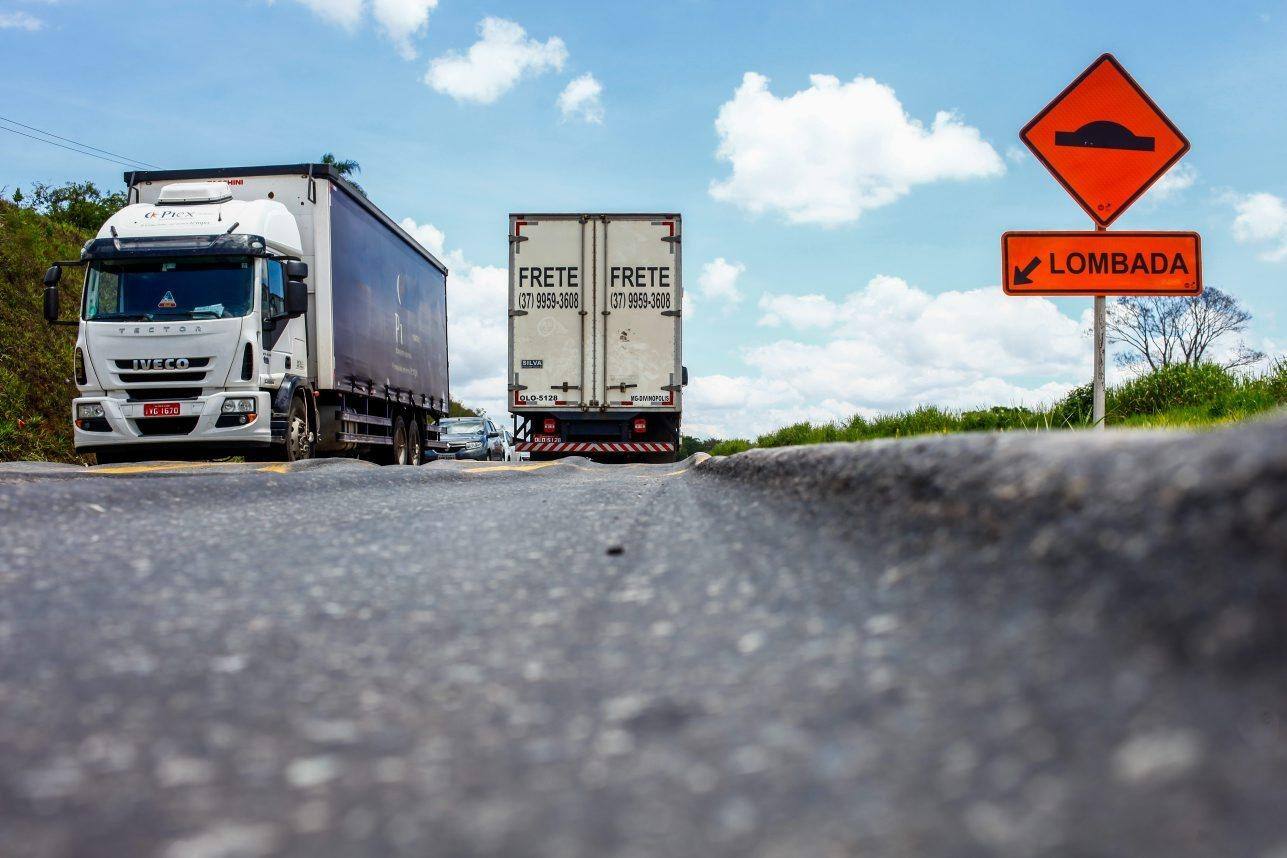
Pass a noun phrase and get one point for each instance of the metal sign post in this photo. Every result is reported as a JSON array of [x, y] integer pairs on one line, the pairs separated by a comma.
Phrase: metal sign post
[[1098, 396]]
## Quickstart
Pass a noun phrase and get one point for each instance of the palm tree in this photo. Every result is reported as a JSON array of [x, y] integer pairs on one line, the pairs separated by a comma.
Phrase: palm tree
[[346, 168]]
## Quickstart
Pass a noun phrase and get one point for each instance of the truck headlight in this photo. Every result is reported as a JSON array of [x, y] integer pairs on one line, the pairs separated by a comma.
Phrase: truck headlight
[[89, 411], [238, 406]]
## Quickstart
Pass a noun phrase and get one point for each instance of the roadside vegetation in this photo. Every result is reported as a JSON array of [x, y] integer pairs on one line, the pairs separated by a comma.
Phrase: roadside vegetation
[[1170, 342], [36, 386], [1180, 395]]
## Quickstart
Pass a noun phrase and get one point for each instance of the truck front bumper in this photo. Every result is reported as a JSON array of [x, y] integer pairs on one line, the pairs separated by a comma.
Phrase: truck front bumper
[[124, 425]]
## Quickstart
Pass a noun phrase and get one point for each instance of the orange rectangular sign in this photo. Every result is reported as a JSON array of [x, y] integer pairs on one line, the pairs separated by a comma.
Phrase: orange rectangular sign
[[1101, 263]]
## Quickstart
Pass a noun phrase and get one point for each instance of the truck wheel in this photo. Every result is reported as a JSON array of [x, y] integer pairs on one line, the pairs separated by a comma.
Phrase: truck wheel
[[399, 440], [299, 438], [415, 452]]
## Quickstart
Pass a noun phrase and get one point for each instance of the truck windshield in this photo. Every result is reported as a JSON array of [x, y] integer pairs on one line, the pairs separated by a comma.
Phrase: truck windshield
[[216, 287]]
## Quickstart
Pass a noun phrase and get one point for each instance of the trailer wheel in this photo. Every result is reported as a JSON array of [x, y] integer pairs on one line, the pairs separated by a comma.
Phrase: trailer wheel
[[415, 451], [399, 440], [299, 436]]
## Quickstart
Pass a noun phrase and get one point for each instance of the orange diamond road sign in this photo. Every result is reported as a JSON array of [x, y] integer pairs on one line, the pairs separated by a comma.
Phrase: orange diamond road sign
[[1105, 140], [1101, 263]]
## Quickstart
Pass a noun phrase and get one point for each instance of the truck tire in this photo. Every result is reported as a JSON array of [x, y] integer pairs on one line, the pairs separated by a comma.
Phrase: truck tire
[[415, 450], [399, 452], [299, 435]]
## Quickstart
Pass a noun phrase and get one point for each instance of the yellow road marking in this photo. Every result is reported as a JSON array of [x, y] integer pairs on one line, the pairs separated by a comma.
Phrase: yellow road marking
[[119, 470], [274, 469], [535, 466]]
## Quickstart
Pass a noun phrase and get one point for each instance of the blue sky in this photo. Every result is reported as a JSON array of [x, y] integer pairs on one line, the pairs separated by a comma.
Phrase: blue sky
[[860, 259]]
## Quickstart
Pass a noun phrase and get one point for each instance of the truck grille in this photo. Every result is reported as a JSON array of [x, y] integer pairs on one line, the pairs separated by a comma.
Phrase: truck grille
[[166, 425], [193, 363], [143, 373], [155, 394], [144, 377]]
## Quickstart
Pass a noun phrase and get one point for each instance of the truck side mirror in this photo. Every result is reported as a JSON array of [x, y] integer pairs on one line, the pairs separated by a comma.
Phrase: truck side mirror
[[296, 298], [684, 380], [51, 304], [52, 276], [296, 270]]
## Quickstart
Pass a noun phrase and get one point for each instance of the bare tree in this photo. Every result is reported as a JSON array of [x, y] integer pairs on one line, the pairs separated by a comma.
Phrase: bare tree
[[1163, 331]]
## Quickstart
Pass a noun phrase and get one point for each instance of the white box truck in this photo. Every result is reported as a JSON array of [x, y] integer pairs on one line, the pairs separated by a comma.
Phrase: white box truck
[[595, 365], [260, 311]]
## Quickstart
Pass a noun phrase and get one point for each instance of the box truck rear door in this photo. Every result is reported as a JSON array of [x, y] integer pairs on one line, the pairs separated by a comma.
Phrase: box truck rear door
[[548, 288], [640, 293]]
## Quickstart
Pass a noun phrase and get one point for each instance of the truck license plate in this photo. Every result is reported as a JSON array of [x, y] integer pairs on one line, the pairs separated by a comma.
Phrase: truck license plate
[[161, 409], [546, 439]]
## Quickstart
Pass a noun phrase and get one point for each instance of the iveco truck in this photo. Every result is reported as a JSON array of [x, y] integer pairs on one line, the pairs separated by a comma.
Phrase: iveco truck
[[595, 366], [270, 312]]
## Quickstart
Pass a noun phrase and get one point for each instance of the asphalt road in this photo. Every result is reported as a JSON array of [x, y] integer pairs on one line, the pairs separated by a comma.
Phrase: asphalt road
[[989, 645]]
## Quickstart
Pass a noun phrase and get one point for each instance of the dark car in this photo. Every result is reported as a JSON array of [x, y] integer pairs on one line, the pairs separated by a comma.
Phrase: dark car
[[475, 438]]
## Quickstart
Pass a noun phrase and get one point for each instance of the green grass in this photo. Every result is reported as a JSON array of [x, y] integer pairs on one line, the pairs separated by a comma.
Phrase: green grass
[[1178, 396], [36, 386]]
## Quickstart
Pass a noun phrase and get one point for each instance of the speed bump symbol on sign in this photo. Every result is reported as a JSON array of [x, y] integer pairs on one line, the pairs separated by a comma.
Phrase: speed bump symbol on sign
[[1101, 263], [1104, 140]]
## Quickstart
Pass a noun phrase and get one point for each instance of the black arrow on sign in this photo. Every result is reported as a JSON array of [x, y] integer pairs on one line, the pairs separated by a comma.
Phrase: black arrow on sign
[[1021, 277]]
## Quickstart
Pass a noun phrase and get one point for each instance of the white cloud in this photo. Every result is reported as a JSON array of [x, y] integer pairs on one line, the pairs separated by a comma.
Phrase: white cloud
[[345, 13], [829, 153], [20, 21], [718, 281], [428, 235], [1178, 179], [890, 346], [581, 98], [477, 310], [403, 20], [1262, 218], [400, 20], [495, 63], [798, 311]]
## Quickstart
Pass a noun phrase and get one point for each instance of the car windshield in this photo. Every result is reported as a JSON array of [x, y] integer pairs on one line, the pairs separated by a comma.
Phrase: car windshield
[[149, 290], [462, 427]]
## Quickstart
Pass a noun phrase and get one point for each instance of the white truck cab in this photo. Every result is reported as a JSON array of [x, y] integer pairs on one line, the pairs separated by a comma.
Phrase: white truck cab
[[203, 333], [180, 299]]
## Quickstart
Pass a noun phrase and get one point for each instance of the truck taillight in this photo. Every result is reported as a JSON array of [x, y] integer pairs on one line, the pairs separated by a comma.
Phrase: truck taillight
[[640, 425], [550, 426], [81, 378]]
